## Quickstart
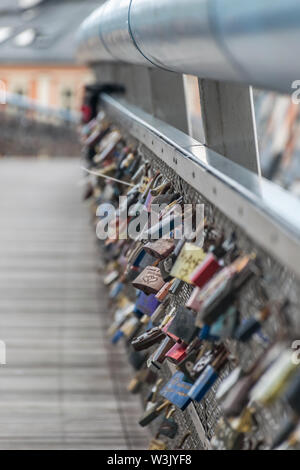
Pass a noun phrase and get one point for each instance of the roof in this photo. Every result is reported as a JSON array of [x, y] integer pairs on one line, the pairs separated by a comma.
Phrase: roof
[[51, 26]]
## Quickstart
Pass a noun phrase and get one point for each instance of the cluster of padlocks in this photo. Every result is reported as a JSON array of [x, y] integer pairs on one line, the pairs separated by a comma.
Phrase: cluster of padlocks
[[196, 337]]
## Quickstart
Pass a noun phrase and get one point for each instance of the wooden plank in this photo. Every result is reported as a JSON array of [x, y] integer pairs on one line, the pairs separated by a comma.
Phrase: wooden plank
[[60, 389]]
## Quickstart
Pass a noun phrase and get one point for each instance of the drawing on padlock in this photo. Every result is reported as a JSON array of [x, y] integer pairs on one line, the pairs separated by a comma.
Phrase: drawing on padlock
[[149, 281]]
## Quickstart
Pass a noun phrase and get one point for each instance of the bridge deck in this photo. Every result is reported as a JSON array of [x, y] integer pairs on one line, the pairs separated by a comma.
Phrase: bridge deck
[[58, 389]]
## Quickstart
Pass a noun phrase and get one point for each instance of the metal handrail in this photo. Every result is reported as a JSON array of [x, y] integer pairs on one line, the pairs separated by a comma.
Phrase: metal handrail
[[268, 214], [248, 42]]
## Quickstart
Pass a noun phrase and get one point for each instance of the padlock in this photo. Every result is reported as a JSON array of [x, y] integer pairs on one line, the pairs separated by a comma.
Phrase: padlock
[[146, 304], [148, 339], [183, 325], [176, 391], [168, 426], [111, 277], [159, 313], [96, 136], [145, 320], [177, 353], [145, 189], [117, 336], [219, 287], [203, 333], [206, 270], [127, 160], [156, 188], [248, 327], [220, 296], [204, 358], [120, 316], [161, 248], [116, 289], [166, 264], [164, 291], [108, 146], [189, 258], [151, 397], [239, 394], [149, 281], [153, 412], [165, 267], [159, 355], [131, 170], [131, 274], [186, 365], [275, 380], [130, 327], [227, 383], [136, 255], [208, 377], [167, 318]]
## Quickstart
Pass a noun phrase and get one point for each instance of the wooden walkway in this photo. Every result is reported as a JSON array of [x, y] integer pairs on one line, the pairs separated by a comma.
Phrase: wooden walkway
[[58, 389]]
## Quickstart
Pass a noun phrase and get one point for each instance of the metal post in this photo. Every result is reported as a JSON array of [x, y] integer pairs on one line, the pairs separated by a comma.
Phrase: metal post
[[168, 98], [229, 122]]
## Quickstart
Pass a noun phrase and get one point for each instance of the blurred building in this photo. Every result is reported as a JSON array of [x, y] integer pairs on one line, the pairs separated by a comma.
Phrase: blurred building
[[37, 50]]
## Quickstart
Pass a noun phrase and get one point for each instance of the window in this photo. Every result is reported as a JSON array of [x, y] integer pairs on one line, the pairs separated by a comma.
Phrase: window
[[43, 90], [25, 38], [5, 33]]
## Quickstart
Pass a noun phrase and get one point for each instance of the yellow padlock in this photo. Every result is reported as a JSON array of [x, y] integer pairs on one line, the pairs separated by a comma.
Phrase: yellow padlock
[[189, 258]]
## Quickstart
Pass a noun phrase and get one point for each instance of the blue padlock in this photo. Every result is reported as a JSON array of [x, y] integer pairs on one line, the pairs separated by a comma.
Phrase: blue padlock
[[209, 376], [147, 304], [116, 290], [139, 258], [176, 391], [117, 336], [204, 334], [203, 384]]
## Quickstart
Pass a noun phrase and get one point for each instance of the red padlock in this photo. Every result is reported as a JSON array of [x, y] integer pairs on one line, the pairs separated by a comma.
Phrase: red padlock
[[206, 270], [177, 353]]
